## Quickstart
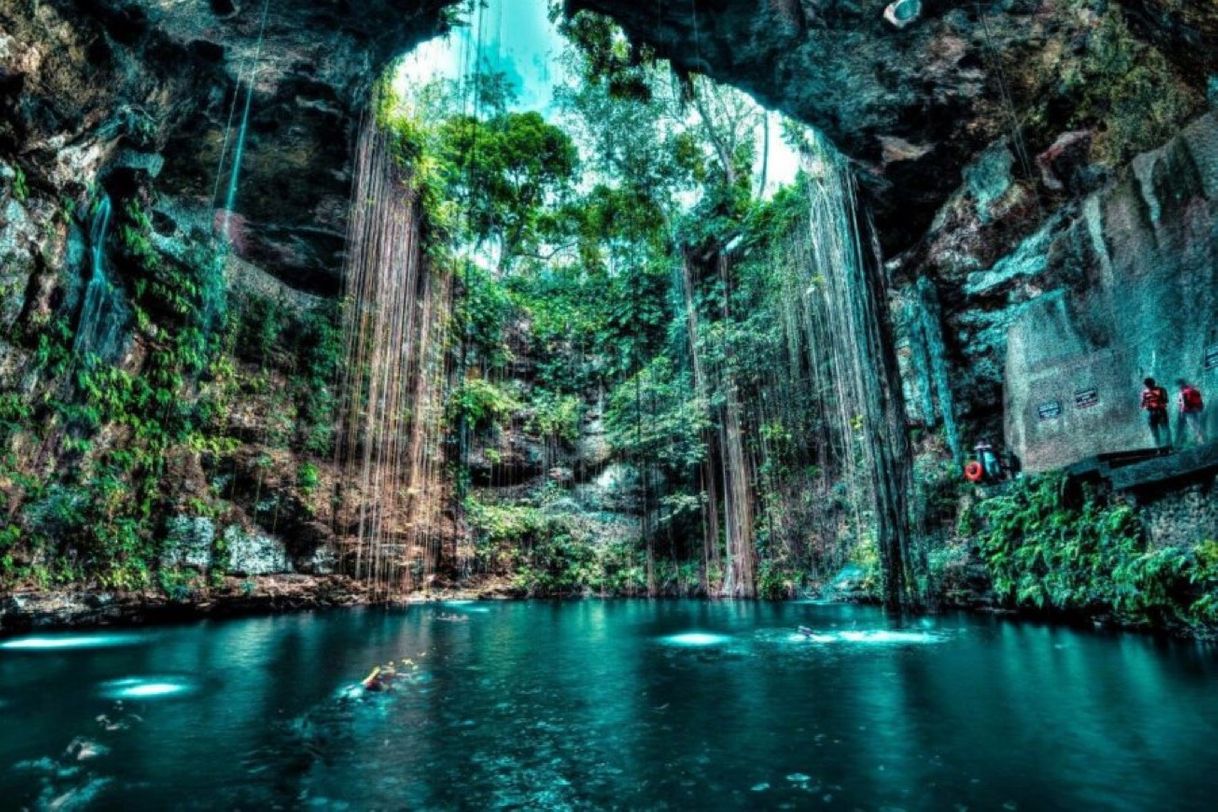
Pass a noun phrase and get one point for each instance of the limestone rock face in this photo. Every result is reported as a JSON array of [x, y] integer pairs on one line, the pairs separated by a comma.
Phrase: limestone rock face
[[254, 554], [161, 87], [615, 489], [189, 543], [506, 456], [1134, 281], [1188, 30], [593, 451], [1041, 305], [1182, 518], [25, 610]]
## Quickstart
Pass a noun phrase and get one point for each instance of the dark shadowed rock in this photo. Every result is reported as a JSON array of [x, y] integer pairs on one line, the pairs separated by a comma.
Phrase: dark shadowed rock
[[161, 87]]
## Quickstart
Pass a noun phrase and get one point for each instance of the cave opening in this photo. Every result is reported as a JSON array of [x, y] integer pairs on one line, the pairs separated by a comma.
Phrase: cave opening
[[614, 233]]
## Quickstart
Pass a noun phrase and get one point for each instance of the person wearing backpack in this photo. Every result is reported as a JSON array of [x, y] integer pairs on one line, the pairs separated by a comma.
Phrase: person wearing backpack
[[1154, 403], [1192, 408]]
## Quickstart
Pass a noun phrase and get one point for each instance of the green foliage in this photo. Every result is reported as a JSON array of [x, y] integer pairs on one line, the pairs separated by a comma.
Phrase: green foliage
[[482, 179], [1044, 552], [588, 324], [502, 172], [496, 524], [308, 477], [556, 416], [553, 553], [609, 57], [569, 564], [10, 537], [15, 413], [937, 491], [53, 352], [135, 234], [260, 324], [318, 342], [306, 346], [101, 518], [483, 314], [481, 404], [1127, 89], [20, 188], [1203, 575], [776, 580], [656, 415], [682, 578], [413, 144], [93, 527], [178, 585]]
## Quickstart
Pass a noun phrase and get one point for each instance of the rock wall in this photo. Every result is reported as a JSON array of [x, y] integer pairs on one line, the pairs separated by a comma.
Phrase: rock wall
[[576, 486], [1132, 292], [1182, 518], [141, 104], [86, 86]]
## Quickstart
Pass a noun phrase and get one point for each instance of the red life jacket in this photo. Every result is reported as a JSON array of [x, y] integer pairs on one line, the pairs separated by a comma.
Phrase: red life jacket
[[1154, 399], [1190, 399]]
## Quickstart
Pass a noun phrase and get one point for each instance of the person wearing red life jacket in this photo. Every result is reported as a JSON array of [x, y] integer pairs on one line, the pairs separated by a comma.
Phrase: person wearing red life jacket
[[1192, 409], [1154, 403]]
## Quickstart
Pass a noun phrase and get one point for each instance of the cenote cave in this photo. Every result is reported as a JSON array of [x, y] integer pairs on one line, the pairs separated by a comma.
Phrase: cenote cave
[[648, 404]]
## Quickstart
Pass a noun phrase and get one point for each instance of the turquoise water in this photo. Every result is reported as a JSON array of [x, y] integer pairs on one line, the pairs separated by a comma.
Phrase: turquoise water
[[627, 704]]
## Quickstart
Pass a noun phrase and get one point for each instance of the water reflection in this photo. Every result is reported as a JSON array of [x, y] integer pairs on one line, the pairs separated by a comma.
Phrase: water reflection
[[602, 704], [68, 642], [865, 637], [695, 639], [145, 687]]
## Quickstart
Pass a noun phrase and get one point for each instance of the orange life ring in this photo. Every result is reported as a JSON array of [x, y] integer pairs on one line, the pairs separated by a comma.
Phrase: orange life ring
[[973, 472]]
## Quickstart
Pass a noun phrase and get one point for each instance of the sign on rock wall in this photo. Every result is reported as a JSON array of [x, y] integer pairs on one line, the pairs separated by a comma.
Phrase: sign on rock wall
[[1086, 398], [1211, 357], [1049, 410]]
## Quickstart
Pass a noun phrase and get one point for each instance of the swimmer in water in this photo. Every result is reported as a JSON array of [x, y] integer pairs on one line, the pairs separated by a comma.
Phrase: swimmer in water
[[380, 679]]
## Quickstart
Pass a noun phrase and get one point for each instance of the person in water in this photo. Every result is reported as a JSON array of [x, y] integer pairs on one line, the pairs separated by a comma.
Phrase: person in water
[[1192, 410], [380, 679], [1154, 403]]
